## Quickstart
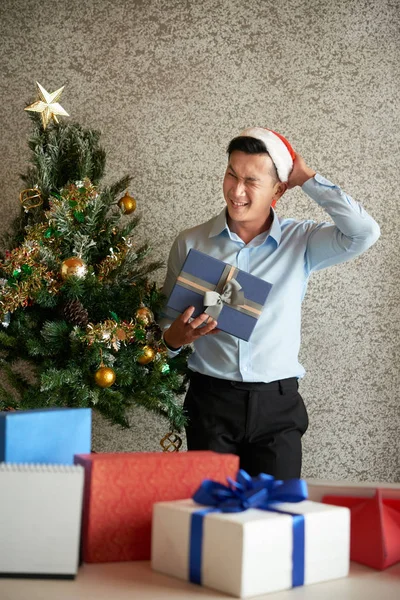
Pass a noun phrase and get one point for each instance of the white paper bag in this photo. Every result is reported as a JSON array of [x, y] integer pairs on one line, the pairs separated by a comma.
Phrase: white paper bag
[[40, 519]]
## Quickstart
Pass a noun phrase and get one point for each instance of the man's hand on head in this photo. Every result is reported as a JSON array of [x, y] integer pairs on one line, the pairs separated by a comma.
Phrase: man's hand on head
[[300, 173], [183, 331]]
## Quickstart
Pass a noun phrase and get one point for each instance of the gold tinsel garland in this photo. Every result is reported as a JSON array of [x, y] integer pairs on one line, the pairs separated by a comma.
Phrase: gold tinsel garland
[[38, 233], [23, 293], [77, 195], [112, 261], [26, 276], [109, 333]]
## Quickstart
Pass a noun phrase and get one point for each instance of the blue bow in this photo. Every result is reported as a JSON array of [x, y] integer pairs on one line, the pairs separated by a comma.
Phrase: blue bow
[[246, 492], [249, 492]]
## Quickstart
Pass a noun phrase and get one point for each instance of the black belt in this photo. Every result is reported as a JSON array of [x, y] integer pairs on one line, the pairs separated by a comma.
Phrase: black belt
[[281, 385]]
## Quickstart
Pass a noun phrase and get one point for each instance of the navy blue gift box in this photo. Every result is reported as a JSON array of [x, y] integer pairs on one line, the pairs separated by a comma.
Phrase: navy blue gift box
[[238, 298]]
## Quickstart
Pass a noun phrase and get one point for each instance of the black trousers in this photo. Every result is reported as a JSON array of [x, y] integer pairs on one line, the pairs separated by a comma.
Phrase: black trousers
[[260, 422]]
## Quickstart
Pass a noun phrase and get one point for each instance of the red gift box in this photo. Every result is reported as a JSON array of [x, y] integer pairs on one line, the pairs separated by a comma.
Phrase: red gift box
[[121, 488], [375, 529]]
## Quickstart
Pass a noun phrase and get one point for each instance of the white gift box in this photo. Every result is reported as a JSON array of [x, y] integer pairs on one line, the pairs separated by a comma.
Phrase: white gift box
[[249, 553], [40, 519]]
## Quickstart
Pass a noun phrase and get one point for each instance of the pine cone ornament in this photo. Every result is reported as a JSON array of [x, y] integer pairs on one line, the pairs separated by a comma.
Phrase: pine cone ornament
[[153, 333], [74, 312]]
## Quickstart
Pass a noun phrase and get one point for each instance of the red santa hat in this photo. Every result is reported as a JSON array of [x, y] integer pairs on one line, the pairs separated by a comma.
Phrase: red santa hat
[[278, 147]]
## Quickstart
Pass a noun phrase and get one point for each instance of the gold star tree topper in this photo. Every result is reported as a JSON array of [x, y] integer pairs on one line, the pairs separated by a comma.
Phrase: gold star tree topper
[[48, 106]]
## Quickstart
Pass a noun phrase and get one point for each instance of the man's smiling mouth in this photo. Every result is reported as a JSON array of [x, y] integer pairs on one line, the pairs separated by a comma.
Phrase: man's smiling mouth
[[239, 203]]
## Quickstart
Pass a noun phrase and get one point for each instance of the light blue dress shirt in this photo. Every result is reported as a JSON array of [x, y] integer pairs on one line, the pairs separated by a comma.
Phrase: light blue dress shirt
[[286, 255]]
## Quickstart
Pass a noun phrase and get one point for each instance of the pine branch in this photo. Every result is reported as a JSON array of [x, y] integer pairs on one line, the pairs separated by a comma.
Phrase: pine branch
[[16, 381], [155, 298], [7, 399], [55, 335], [83, 245], [139, 275], [127, 229], [48, 257], [58, 378], [107, 199], [112, 405], [143, 251], [120, 186], [74, 287], [63, 223], [84, 395], [94, 219], [7, 341], [45, 299]]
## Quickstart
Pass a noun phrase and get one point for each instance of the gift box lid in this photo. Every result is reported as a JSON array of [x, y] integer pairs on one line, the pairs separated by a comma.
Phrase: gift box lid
[[45, 435], [145, 457]]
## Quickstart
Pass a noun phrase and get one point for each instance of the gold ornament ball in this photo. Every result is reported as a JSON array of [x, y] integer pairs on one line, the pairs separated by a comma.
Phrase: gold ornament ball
[[144, 315], [127, 204], [148, 354], [73, 266], [105, 377]]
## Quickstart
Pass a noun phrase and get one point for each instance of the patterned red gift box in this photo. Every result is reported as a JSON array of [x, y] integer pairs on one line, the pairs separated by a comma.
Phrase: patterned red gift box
[[121, 488]]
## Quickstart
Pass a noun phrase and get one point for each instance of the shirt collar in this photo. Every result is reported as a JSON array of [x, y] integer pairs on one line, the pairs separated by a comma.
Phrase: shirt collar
[[219, 224]]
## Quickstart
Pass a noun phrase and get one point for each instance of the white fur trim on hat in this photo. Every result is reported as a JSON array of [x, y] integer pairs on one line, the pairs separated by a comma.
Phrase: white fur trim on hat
[[275, 147]]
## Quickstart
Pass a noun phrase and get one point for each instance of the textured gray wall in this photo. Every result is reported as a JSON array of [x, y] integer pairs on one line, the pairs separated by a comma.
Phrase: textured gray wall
[[169, 83]]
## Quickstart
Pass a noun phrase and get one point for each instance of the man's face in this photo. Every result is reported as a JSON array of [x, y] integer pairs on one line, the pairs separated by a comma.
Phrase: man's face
[[249, 187]]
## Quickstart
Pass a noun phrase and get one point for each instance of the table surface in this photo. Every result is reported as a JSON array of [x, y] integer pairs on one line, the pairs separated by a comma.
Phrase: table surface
[[123, 581]]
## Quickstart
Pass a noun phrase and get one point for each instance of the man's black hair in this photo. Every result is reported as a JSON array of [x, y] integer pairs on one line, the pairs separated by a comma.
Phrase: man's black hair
[[251, 145]]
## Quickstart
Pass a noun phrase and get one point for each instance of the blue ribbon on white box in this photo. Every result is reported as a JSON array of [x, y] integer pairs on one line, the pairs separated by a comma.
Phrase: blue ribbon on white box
[[261, 492]]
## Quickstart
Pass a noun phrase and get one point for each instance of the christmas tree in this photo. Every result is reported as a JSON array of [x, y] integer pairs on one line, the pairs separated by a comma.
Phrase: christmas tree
[[76, 302]]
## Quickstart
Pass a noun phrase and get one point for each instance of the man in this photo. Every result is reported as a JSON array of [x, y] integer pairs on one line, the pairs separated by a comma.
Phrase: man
[[243, 396]]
